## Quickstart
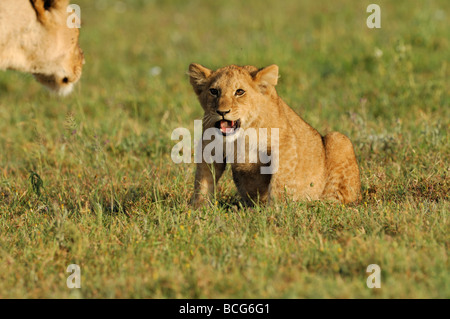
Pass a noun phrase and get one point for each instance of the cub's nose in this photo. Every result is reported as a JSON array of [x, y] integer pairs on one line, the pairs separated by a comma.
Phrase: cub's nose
[[222, 113]]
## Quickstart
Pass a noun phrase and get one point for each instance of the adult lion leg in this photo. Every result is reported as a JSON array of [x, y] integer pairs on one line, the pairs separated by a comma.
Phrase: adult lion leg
[[206, 177], [343, 180]]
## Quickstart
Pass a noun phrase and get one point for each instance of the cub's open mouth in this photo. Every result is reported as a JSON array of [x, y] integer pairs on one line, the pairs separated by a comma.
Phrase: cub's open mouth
[[228, 127]]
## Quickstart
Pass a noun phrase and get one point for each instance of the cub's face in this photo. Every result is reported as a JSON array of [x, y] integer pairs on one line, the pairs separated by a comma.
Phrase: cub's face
[[233, 97]]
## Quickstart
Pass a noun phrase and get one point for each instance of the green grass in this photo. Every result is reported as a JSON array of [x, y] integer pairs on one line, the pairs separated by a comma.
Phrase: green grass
[[108, 197]]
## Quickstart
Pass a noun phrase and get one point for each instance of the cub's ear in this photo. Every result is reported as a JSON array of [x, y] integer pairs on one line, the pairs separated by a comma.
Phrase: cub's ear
[[42, 7], [267, 76], [198, 76]]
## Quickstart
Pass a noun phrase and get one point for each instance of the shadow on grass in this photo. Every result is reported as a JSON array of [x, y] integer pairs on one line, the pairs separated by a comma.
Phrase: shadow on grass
[[434, 189], [126, 200]]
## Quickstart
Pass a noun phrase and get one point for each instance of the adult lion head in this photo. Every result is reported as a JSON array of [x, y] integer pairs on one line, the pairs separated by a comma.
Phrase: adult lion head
[[35, 38]]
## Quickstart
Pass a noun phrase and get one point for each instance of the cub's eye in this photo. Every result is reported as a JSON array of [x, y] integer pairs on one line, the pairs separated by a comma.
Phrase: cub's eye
[[239, 92], [214, 92]]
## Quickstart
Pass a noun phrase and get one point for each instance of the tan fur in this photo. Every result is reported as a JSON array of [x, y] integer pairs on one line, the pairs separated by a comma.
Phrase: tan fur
[[311, 167], [35, 38]]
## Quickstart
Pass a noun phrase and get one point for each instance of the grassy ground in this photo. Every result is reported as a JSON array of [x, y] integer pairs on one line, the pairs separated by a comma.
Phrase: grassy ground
[[88, 179]]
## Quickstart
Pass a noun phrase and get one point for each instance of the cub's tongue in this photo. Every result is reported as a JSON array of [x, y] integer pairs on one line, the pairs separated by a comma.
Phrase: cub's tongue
[[224, 125]]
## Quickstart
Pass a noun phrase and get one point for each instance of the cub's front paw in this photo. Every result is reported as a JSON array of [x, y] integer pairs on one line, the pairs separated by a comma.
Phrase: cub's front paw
[[198, 200]]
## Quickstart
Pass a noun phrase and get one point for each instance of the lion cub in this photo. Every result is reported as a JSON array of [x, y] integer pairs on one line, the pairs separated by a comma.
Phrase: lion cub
[[305, 165]]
